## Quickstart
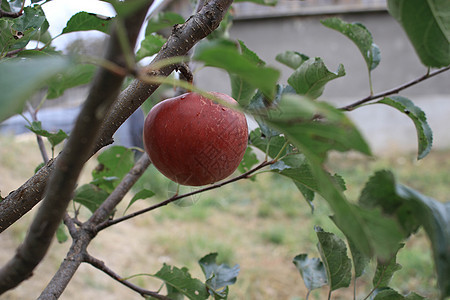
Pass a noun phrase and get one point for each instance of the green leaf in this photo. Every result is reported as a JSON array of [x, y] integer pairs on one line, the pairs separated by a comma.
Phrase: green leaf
[[150, 46], [218, 277], [295, 118], [359, 35], [33, 17], [142, 194], [173, 293], [181, 280], [311, 77], [77, 75], [225, 55], [53, 138], [90, 196], [61, 234], [115, 162], [307, 193], [427, 24], [334, 256], [297, 168], [292, 59], [248, 161], [84, 21], [57, 138], [259, 104], [385, 271], [17, 86], [163, 20], [272, 145], [360, 260], [241, 90], [424, 133], [390, 294], [412, 209], [312, 271]]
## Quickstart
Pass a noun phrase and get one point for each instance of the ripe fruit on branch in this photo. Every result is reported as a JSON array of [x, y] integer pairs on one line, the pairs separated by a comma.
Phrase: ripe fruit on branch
[[195, 141]]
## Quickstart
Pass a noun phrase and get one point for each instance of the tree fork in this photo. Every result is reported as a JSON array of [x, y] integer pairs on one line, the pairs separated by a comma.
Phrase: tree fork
[[182, 39], [78, 149]]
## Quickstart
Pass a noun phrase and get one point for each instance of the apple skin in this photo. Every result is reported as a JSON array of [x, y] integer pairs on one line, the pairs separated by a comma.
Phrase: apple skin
[[194, 141]]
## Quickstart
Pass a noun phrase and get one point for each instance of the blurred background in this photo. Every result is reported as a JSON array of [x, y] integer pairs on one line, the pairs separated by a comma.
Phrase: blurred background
[[260, 225]]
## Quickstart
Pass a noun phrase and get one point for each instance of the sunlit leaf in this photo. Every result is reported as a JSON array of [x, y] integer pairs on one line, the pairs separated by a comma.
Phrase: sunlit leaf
[[427, 24], [311, 77], [333, 252], [424, 133], [359, 35], [17, 86], [312, 271], [84, 21]]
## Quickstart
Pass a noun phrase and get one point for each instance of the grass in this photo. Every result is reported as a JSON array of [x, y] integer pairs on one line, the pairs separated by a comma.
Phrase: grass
[[260, 225]]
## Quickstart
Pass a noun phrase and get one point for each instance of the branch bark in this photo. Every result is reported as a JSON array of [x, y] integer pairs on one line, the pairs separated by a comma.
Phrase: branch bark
[[395, 90], [84, 235], [88, 230], [183, 38], [103, 93]]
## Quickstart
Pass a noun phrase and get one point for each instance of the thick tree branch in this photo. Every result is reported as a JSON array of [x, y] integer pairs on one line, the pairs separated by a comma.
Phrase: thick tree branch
[[104, 91], [20, 201], [183, 38], [395, 90]]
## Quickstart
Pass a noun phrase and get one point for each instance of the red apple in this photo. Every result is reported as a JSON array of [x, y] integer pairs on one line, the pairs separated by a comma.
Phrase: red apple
[[195, 141]]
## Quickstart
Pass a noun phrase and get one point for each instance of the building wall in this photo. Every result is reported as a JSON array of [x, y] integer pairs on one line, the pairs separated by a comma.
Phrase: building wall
[[386, 129]]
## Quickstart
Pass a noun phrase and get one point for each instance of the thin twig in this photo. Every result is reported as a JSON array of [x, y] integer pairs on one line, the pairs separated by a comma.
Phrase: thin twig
[[107, 207], [40, 141], [395, 90], [102, 267], [178, 197]]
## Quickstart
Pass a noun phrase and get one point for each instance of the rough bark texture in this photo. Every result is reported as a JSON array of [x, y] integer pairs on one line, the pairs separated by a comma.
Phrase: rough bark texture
[[94, 129], [183, 38], [104, 91]]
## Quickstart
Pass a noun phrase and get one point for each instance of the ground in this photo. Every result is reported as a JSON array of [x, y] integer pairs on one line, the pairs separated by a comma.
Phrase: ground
[[259, 225]]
